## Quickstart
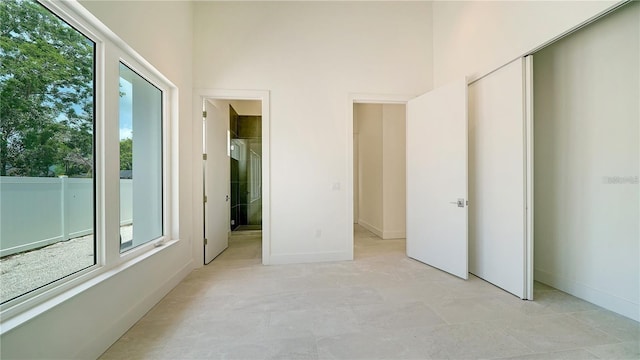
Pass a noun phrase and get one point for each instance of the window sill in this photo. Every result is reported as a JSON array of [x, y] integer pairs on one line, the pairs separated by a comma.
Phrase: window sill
[[19, 314]]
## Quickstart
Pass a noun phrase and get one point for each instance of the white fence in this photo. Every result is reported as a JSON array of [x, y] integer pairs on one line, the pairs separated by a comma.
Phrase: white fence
[[36, 212]]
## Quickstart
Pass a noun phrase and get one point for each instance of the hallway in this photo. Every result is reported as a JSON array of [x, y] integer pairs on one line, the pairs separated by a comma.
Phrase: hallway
[[380, 306]]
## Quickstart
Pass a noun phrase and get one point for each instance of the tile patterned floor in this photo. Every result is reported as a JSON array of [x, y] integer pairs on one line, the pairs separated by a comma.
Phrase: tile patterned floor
[[380, 306]]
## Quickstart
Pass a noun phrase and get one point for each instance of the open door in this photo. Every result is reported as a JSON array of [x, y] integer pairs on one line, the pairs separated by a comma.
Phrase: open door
[[437, 141], [216, 181]]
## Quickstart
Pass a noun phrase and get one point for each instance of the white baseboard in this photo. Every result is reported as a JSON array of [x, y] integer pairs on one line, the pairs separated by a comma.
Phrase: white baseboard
[[608, 301], [128, 318], [387, 235], [370, 227]]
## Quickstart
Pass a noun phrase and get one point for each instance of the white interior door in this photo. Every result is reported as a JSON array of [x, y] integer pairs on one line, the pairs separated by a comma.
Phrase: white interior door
[[437, 178], [497, 163], [216, 180]]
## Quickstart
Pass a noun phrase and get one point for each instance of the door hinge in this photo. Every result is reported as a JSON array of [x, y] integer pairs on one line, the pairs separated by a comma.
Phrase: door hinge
[[205, 198], [204, 156], [204, 114], [206, 241]]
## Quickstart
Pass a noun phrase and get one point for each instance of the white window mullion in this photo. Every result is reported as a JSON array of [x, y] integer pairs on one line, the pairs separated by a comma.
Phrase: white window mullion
[[111, 157]]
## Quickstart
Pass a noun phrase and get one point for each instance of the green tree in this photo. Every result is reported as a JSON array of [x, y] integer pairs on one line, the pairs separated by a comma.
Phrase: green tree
[[126, 154], [46, 93]]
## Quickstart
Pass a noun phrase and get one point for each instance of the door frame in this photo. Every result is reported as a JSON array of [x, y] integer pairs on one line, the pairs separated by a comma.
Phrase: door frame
[[361, 98], [198, 179], [528, 169]]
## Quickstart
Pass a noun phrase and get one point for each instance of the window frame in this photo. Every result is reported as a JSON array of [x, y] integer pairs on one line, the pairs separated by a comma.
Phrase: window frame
[[154, 80], [91, 35], [109, 51]]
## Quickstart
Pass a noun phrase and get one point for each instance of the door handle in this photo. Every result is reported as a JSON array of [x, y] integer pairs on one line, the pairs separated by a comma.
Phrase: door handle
[[226, 198], [460, 203]]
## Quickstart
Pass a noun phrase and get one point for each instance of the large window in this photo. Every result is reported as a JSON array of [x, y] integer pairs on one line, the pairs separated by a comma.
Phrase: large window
[[77, 105], [47, 217], [140, 160]]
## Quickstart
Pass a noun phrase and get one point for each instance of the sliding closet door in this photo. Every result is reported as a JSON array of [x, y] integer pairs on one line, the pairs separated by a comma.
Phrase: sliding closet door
[[497, 179]]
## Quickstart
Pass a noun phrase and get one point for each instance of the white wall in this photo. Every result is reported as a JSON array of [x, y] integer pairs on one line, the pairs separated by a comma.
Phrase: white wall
[[394, 171], [474, 37], [587, 236], [311, 56], [87, 324]]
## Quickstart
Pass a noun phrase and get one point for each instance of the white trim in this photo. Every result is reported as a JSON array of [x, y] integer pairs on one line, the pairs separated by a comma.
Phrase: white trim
[[528, 176], [361, 98], [199, 95], [601, 298], [169, 148], [390, 235], [368, 98], [112, 332], [374, 229]]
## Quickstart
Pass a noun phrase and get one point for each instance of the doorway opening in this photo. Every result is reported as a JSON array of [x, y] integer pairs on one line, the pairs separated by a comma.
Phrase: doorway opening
[[379, 176], [235, 174], [245, 131]]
